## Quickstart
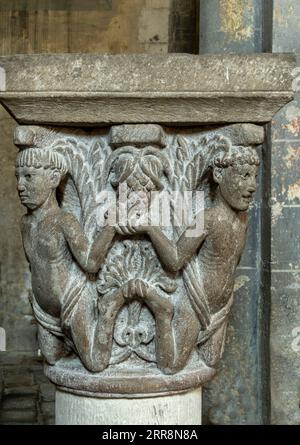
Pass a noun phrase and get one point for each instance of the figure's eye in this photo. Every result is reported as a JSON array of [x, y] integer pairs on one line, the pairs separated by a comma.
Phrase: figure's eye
[[28, 176], [246, 175]]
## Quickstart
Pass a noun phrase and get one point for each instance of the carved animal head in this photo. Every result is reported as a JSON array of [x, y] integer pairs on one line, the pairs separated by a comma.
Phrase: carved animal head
[[38, 172]]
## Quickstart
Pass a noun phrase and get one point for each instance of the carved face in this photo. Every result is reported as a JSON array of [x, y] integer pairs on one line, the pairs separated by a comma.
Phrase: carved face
[[35, 185], [237, 184]]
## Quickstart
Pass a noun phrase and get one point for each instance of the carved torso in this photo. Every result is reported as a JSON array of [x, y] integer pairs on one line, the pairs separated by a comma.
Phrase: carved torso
[[220, 253], [49, 259]]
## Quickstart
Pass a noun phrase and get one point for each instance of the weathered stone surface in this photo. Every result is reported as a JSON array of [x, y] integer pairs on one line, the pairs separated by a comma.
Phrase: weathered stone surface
[[27, 395], [18, 417], [183, 89], [105, 26], [18, 402], [285, 233], [269, 360], [239, 395], [232, 26], [125, 379], [137, 135], [180, 409], [181, 328], [161, 327]]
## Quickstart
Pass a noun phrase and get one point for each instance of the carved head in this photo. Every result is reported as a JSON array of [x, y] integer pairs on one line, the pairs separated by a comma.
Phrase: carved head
[[235, 172], [38, 172]]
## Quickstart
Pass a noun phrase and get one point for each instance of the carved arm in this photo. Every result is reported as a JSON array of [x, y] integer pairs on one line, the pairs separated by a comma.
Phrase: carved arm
[[89, 256]]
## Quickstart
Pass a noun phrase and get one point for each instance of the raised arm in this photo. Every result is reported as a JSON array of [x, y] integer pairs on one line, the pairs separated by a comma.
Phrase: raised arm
[[174, 255], [89, 256]]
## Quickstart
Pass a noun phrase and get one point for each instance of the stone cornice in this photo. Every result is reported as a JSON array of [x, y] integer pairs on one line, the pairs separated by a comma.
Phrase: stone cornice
[[93, 90]]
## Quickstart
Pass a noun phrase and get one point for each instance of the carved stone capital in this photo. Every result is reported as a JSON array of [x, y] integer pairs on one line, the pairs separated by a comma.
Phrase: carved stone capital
[[134, 228]]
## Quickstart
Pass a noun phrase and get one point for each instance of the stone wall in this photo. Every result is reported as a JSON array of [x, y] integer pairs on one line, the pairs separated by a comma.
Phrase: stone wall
[[27, 395], [239, 394], [285, 233], [259, 379]]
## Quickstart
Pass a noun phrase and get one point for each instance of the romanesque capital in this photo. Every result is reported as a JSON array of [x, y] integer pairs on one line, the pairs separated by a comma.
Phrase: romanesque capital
[[135, 225]]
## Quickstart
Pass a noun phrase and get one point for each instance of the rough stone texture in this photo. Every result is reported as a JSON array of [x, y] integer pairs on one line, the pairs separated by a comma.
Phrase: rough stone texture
[[272, 389], [181, 409], [154, 319], [285, 234], [125, 379], [184, 27], [137, 135], [144, 88], [57, 38], [40, 26], [239, 393], [27, 395], [145, 73], [105, 26], [231, 26], [15, 311]]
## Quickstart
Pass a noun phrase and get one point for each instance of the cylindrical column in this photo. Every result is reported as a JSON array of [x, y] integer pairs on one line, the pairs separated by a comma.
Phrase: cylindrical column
[[237, 26], [178, 409]]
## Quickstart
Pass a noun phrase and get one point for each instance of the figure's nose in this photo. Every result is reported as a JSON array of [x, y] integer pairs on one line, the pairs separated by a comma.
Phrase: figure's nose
[[252, 186], [20, 186]]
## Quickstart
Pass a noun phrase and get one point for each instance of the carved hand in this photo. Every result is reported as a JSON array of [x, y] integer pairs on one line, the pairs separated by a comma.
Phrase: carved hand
[[131, 229]]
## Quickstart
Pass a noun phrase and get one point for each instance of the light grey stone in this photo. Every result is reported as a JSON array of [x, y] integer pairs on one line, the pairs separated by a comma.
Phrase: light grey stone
[[91, 89], [137, 135], [137, 310], [180, 409]]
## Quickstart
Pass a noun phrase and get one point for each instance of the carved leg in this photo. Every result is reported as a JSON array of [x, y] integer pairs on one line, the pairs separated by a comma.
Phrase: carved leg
[[52, 347], [163, 311], [92, 333], [173, 351], [185, 326]]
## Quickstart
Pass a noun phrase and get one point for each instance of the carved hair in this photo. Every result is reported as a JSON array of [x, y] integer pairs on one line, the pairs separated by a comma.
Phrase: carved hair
[[236, 156], [41, 158]]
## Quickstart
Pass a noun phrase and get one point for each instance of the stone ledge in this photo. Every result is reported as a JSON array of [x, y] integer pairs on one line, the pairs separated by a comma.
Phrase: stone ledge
[[120, 381], [94, 90]]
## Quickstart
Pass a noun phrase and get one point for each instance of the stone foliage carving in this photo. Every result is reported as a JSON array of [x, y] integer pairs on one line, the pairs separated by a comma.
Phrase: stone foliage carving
[[114, 295]]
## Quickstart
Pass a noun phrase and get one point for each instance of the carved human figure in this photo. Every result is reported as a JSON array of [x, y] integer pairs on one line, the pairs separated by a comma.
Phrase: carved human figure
[[233, 179], [210, 283], [141, 170], [62, 301], [146, 170]]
